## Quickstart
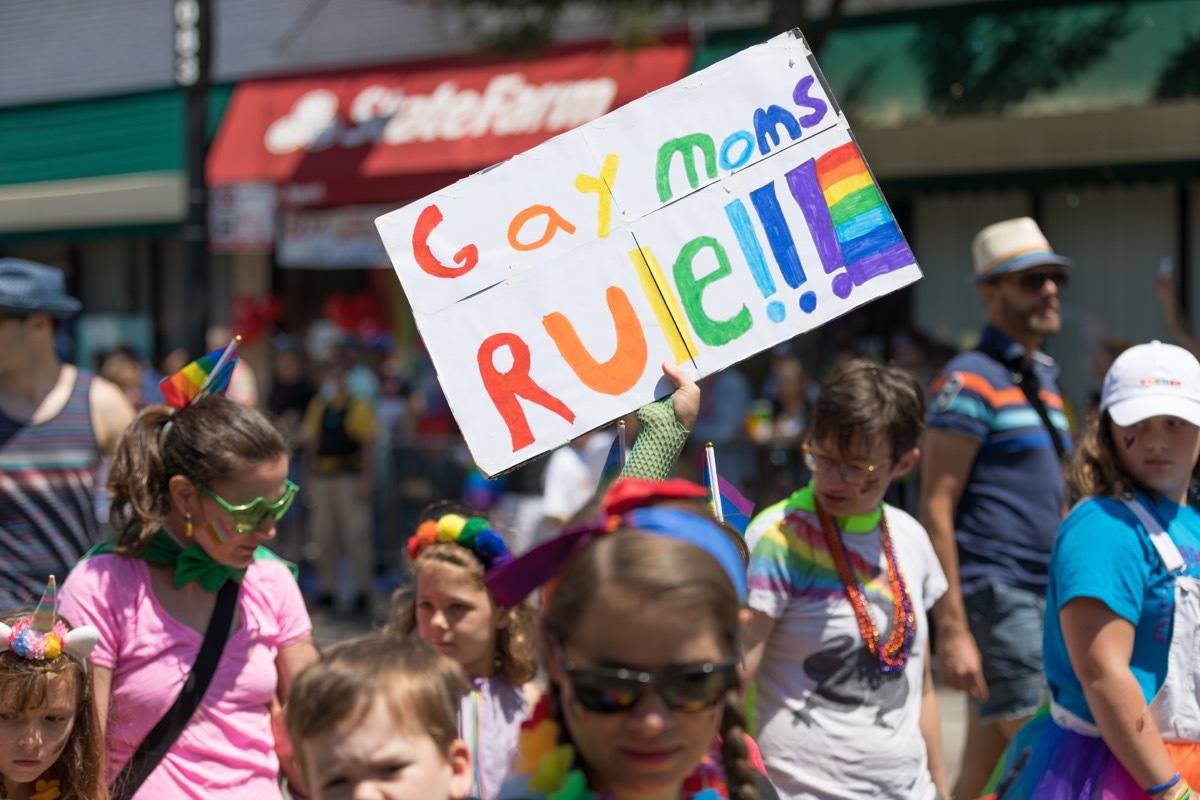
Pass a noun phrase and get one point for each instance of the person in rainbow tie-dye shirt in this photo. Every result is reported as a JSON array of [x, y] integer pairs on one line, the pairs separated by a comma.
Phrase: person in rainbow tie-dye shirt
[[839, 587]]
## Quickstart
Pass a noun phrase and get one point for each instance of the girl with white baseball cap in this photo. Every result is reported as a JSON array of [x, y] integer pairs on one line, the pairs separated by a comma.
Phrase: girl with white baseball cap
[[1123, 604]]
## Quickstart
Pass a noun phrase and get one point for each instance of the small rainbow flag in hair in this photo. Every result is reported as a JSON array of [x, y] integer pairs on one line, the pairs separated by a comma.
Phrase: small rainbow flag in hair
[[614, 462], [727, 503], [206, 375]]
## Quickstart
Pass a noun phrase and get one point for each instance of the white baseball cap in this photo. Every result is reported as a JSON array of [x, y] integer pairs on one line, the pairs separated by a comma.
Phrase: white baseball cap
[[1152, 380]]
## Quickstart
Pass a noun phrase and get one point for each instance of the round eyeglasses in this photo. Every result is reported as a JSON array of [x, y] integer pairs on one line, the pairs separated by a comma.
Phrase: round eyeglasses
[[853, 473]]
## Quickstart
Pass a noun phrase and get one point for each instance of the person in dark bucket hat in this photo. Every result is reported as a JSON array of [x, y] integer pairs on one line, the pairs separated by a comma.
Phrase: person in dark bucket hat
[[56, 422], [29, 288]]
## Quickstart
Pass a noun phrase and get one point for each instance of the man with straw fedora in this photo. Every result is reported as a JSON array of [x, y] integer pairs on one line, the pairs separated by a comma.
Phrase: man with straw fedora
[[992, 491], [55, 423]]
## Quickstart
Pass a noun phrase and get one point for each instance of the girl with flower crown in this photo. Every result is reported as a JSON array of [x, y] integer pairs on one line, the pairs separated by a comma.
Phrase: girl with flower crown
[[641, 639], [195, 494], [449, 606], [840, 583], [51, 747]]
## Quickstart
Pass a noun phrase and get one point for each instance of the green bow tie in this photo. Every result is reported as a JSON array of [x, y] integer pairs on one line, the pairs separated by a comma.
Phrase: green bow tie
[[191, 563]]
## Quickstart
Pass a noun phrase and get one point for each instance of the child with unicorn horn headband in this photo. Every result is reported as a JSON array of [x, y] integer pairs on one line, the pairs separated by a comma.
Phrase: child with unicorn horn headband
[[51, 746]]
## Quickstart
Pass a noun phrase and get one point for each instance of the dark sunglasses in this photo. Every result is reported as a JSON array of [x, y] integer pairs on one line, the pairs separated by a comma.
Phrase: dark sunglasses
[[611, 690], [1034, 282]]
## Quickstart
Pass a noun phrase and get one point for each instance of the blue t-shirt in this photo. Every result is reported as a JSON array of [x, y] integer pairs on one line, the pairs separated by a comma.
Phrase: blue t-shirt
[[1012, 502], [1103, 552]]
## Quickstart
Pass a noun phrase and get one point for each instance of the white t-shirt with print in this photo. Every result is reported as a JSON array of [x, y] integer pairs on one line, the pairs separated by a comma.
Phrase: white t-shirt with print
[[829, 722]]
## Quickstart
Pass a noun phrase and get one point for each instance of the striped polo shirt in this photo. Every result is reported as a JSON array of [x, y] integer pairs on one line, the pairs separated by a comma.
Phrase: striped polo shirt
[[47, 495], [1012, 502]]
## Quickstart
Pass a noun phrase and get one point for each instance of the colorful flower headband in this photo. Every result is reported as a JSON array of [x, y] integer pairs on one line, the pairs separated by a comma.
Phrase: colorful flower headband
[[473, 534], [624, 506], [43, 638]]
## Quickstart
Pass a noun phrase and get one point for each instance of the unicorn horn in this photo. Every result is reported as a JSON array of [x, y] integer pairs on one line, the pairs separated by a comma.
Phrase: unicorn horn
[[43, 616]]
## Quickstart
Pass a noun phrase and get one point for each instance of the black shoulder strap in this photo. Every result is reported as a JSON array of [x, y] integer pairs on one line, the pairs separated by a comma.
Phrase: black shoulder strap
[[1026, 379], [160, 738]]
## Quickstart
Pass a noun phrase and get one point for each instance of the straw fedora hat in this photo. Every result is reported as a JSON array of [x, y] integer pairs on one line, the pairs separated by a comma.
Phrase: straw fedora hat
[[1011, 246]]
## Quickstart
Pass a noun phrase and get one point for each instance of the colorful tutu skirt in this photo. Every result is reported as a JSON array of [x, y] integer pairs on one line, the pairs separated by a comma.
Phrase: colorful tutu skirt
[[1048, 762]]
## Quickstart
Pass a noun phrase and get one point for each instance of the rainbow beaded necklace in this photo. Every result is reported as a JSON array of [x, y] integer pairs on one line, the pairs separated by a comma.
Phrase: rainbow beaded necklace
[[893, 655]]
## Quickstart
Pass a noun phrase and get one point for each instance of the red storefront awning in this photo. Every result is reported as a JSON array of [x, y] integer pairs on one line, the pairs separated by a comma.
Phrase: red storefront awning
[[395, 133]]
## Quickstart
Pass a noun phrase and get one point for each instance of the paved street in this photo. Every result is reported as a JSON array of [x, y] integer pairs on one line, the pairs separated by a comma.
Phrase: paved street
[[330, 628]]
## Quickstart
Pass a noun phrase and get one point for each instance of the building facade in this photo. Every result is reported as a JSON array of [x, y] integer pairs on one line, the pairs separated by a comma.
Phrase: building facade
[[1082, 113]]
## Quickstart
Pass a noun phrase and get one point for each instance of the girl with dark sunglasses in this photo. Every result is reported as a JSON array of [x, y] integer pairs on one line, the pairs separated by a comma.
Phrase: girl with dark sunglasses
[[449, 606], [196, 492], [641, 635]]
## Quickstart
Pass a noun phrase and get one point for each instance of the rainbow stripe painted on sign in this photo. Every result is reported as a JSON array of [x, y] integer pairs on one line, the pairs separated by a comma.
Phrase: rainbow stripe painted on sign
[[865, 237]]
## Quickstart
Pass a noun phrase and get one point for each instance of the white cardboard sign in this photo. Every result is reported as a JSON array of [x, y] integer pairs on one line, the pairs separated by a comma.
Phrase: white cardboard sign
[[701, 224]]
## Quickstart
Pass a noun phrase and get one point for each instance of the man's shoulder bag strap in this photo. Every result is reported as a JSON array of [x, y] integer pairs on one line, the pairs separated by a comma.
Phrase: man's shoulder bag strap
[[1024, 377]]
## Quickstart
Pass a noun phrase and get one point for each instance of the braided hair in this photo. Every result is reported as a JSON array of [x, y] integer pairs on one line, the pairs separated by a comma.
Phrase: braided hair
[[740, 777]]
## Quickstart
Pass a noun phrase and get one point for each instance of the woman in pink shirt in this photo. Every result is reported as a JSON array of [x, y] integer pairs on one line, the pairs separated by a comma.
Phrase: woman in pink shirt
[[195, 493]]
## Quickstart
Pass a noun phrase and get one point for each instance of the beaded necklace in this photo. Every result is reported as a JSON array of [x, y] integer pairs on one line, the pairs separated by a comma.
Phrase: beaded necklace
[[893, 655]]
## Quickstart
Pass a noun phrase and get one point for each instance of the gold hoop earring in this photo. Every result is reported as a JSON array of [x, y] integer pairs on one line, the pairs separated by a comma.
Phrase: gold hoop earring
[[187, 518]]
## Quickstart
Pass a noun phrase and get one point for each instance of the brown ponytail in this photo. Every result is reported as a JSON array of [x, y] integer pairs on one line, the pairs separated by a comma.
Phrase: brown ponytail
[[204, 442], [137, 481], [740, 777]]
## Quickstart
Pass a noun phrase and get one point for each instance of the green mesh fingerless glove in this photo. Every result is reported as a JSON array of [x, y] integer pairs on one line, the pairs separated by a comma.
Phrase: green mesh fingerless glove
[[658, 445]]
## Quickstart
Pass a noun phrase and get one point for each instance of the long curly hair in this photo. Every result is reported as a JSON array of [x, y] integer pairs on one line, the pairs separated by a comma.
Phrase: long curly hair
[[24, 685]]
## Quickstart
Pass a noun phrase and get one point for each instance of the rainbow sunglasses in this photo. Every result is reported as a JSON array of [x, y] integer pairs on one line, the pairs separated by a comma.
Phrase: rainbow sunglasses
[[251, 516]]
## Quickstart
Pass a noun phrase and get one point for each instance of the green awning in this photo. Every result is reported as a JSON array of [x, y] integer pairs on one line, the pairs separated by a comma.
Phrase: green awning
[[119, 135], [1014, 59]]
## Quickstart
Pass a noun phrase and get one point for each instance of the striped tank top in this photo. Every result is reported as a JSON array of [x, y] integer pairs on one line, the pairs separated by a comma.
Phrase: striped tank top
[[47, 495]]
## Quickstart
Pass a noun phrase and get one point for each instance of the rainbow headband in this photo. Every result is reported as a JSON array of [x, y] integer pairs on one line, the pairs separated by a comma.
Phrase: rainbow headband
[[42, 637], [623, 506], [471, 533]]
